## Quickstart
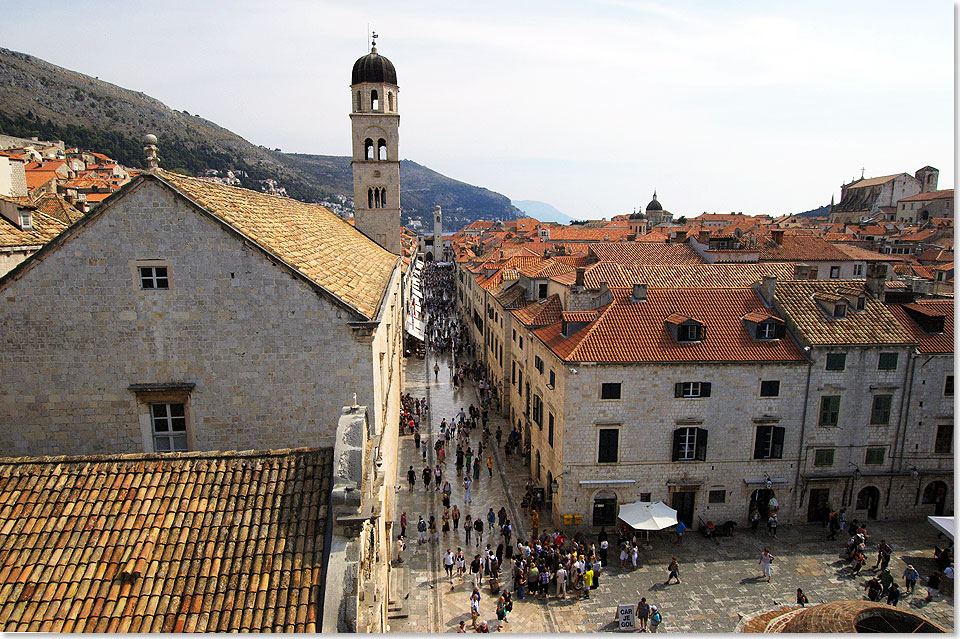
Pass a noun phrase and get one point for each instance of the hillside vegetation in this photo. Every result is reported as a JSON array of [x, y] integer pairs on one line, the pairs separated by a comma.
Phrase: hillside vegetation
[[43, 100]]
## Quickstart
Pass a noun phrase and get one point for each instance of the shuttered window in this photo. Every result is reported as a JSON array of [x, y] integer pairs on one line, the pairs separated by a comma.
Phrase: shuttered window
[[691, 389], [769, 444], [690, 444]]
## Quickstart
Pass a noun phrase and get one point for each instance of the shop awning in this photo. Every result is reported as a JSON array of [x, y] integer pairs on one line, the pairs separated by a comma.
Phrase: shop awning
[[415, 327], [943, 524], [645, 515]]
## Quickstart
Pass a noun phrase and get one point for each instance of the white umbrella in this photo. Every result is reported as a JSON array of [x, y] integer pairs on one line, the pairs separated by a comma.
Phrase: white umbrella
[[645, 515]]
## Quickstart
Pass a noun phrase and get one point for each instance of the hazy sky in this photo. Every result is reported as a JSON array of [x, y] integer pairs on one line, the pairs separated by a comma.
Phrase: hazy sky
[[760, 107]]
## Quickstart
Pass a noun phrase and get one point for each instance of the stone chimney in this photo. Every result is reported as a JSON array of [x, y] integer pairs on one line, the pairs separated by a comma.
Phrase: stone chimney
[[778, 237], [876, 279], [581, 277], [639, 292], [768, 288], [703, 236], [801, 271], [680, 237], [151, 163]]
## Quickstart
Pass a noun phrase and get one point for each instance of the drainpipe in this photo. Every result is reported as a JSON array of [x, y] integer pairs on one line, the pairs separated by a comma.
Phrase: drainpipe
[[901, 434], [803, 427]]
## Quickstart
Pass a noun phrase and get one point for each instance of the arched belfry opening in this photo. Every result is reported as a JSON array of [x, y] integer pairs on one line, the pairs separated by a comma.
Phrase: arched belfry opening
[[359, 102], [374, 100], [368, 149], [381, 149]]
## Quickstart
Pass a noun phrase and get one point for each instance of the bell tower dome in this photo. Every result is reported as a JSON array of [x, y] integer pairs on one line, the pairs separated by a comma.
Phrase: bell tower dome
[[375, 121]]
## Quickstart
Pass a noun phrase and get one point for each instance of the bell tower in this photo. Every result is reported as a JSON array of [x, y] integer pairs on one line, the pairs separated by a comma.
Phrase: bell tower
[[375, 121], [438, 234]]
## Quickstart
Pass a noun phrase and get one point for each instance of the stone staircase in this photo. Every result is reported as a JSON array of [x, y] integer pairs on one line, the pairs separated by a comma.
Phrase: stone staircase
[[399, 591]]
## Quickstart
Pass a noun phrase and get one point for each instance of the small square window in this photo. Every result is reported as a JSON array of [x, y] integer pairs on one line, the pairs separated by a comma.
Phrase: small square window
[[836, 361], [875, 456], [153, 277], [717, 496], [645, 496], [610, 390], [169, 427], [690, 333], [823, 457], [887, 362], [770, 388], [840, 310], [857, 270], [834, 272], [948, 386]]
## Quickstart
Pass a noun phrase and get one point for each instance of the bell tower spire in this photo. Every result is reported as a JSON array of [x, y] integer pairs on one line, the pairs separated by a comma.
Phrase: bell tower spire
[[375, 122]]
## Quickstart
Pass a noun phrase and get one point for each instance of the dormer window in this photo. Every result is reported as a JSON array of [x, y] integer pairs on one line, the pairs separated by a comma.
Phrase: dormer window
[[763, 326], [833, 304], [684, 329], [767, 330], [840, 310], [26, 221]]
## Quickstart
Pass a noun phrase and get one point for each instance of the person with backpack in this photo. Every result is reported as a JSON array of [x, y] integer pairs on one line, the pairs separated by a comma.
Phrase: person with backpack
[[674, 569], [421, 530], [655, 619]]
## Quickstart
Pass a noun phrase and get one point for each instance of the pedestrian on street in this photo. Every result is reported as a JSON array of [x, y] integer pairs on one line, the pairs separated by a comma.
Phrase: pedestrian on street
[[461, 562], [448, 564], [475, 605], [933, 585], [491, 520], [535, 522], [412, 478], [674, 569], [403, 523], [455, 515], [438, 476], [401, 546], [475, 570], [467, 483], [427, 476], [910, 578], [490, 466], [476, 469], [754, 518], [680, 528], [772, 524], [436, 371], [416, 438], [561, 582], [478, 528], [655, 619], [766, 558], [421, 530], [873, 588], [467, 529], [643, 613], [893, 594], [802, 598]]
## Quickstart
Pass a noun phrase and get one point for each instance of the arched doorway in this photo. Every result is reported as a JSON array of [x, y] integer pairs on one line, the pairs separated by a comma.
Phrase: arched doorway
[[936, 493], [429, 256], [605, 508], [868, 499]]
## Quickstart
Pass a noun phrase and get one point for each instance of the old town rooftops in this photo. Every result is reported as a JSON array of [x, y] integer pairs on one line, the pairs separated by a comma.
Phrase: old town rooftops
[[873, 325], [172, 542], [638, 331]]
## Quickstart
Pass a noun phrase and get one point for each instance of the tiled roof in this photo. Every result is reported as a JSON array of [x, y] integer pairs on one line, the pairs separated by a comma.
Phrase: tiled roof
[[45, 228], [175, 542], [760, 316], [936, 343], [540, 313], [706, 275], [308, 237], [653, 236], [795, 247], [935, 255], [861, 254], [512, 297], [574, 234], [39, 177], [56, 206], [859, 184], [873, 325], [914, 270], [628, 331], [547, 268], [933, 195], [649, 253]]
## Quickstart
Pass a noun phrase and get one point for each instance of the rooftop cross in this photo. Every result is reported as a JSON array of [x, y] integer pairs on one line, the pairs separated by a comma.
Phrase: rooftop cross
[[373, 48]]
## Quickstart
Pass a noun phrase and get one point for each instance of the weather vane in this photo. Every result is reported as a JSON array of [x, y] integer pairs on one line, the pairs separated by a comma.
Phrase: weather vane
[[374, 36]]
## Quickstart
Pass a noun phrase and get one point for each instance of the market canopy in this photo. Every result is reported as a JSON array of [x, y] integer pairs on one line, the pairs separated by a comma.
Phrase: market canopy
[[645, 515], [943, 524]]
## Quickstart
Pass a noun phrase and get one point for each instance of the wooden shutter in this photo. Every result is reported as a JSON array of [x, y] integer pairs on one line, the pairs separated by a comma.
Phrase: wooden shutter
[[759, 446], [701, 450], [676, 443], [678, 389], [776, 450], [704, 390]]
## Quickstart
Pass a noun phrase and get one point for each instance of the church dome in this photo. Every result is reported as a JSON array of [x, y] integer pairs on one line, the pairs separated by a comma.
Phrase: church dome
[[637, 215], [654, 205], [373, 67]]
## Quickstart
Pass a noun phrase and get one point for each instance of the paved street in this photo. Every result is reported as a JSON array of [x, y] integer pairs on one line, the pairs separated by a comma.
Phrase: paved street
[[719, 582]]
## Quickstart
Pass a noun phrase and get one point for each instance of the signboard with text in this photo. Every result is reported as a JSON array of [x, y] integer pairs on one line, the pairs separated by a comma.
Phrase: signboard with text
[[625, 619]]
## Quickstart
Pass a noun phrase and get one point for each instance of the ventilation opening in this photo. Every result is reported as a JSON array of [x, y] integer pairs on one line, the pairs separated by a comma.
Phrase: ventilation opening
[[884, 620]]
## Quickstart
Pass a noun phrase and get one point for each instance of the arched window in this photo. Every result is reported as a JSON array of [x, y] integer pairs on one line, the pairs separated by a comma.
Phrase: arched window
[[374, 101], [368, 149], [383, 198], [390, 100], [369, 198], [381, 149], [359, 101]]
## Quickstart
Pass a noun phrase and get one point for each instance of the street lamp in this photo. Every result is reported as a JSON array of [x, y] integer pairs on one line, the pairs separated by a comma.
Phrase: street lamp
[[856, 471]]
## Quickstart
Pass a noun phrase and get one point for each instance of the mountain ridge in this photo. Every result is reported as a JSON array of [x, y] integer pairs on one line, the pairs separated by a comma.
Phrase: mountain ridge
[[41, 99]]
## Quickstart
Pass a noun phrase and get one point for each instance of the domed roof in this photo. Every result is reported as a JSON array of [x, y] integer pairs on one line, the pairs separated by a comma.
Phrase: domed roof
[[654, 205], [373, 67], [637, 215]]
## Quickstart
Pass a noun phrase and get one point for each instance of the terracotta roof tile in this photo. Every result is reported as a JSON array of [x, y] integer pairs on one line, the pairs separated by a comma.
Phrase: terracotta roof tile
[[628, 331], [933, 195], [795, 247], [45, 228], [540, 313], [648, 253], [176, 542], [907, 315], [308, 237], [873, 325]]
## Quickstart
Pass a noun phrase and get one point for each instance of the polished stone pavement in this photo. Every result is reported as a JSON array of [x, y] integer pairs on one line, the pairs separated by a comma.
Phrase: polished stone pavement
[[719, 581]]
